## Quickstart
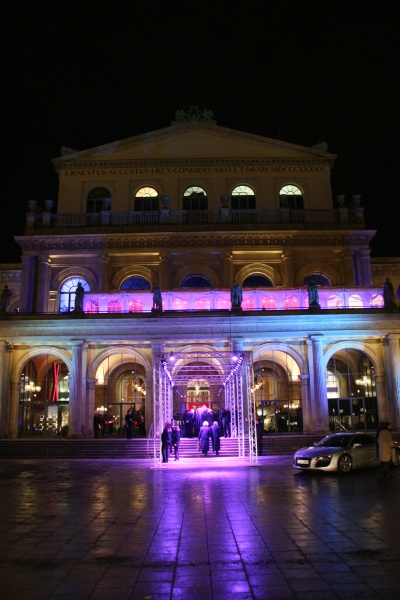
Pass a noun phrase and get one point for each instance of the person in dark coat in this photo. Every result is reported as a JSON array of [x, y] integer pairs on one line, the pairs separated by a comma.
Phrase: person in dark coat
[[259, 436], [226, 422], [216, 437], [166, 442], [204, 438], [176, 438], [189, 423], [97, 425], [129, 423]]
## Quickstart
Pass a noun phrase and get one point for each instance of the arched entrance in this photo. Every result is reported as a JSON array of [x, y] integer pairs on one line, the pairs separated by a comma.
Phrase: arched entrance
[[223, 378], [44, 397], [351, 391], [277, 392], [120, 385]]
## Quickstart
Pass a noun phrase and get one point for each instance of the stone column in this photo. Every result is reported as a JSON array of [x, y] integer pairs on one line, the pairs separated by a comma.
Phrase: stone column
[[306, 404], [104, 277], [393, 363], [287, 268], [4, 399], [43, 283], [357, 267], [77, 389], [349, 278], [164, 274], [28, 283], [13, 410], [227, 270], [365, 267], [319, 399], [90, 405], [382, 397]]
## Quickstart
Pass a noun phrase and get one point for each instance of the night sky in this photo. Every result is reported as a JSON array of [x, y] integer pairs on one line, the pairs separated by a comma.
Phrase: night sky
[[81, 74]]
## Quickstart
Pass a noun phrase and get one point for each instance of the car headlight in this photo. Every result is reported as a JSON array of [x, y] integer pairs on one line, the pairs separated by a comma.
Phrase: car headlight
[[323, 461]]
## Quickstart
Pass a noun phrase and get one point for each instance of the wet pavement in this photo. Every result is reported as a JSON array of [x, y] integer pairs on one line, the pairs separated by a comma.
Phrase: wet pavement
[[199, 530]]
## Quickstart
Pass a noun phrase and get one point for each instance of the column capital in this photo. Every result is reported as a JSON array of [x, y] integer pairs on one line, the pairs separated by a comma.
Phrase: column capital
[[316, 338]]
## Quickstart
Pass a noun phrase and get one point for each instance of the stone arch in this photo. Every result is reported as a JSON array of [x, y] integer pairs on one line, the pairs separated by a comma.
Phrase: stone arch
[[317, 267], [196, 269], [294, 354], [129, 352], [355, 345], [131, 271], [27, 355], [76, 271], [261, 269]]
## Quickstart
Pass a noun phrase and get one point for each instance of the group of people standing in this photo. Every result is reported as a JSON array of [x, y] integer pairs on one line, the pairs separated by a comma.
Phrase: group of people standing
[[135, 422], [171, 437], [193, 420]]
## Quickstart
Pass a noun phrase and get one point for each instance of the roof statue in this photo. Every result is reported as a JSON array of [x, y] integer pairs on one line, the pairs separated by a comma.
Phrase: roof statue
[[65, 151], [194, 114], [321, 147]]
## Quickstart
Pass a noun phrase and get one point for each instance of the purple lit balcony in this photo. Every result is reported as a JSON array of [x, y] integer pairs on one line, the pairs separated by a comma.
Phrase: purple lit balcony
[[219, 299]]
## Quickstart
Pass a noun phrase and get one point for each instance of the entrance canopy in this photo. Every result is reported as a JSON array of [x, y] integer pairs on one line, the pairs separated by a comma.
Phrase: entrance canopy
[[230, 374]]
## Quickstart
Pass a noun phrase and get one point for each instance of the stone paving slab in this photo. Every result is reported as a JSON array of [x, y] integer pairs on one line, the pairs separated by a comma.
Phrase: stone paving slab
[[209, 529]]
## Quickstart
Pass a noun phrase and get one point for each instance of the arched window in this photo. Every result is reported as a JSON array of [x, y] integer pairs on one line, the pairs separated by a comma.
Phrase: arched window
[[135, 306], [97, 200], [196, 281], [195, 198], [318, 278], [291, 302], [291, 196], [114, 306], [67, 293], [268, 303], [202, 304], [135, 283], [257, 281], [146, 199], [243, 198]]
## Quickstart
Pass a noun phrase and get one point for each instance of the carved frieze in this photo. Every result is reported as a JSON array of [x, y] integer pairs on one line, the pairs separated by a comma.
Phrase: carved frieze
[[88, 243]]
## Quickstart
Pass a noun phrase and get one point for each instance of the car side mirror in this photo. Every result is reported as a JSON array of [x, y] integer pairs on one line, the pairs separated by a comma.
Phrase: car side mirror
[[357, 445]]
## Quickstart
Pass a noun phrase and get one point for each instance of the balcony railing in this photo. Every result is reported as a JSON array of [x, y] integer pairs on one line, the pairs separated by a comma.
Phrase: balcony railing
[[262, 299], [334, 218]]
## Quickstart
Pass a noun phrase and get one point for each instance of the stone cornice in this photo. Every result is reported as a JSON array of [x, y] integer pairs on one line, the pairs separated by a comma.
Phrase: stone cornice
[[145, 241], [192, 162]]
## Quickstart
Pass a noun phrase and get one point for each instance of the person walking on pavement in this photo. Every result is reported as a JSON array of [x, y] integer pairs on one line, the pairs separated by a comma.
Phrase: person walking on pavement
[[385, 445], [216, 437], [166, 441], [176, 438], [204, 438]]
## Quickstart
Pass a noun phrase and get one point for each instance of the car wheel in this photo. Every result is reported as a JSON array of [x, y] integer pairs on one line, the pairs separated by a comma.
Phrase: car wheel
[[345, 463]]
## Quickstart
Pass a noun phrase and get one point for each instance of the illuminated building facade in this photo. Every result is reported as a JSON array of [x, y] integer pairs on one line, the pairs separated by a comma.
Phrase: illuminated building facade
[[193, 208]]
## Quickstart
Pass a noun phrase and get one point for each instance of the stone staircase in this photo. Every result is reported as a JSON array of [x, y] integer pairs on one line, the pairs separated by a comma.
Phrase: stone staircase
[[137, 448]]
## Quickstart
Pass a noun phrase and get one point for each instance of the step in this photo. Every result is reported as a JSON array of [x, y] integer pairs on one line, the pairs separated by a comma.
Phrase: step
[[141, 448]]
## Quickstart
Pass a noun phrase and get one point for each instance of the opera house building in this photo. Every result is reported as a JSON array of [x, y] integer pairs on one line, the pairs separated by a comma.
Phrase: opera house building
[[217, 272]]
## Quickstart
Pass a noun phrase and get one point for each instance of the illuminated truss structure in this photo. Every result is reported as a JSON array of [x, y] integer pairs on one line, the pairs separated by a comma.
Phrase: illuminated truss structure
[[231, 371]]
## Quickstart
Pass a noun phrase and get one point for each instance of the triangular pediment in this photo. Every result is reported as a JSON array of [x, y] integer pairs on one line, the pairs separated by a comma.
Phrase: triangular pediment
[[193, 140]]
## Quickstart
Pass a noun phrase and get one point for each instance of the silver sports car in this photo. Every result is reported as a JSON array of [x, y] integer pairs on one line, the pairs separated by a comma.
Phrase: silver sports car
[[340, 452]]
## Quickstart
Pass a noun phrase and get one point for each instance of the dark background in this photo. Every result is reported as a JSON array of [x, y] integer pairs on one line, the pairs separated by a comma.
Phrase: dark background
[[81, 74]]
